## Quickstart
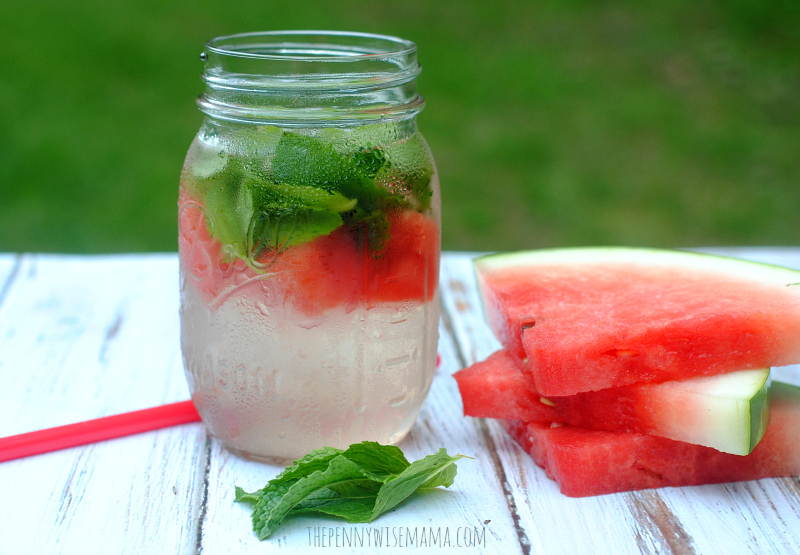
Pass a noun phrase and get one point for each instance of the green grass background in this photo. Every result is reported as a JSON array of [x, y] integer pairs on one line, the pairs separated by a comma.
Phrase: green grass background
[[554, 122]]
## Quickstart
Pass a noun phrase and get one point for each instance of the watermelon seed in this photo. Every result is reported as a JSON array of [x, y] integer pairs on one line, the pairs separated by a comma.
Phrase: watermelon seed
[[546, 401], [649, 472], [527, 325], [555, 425]]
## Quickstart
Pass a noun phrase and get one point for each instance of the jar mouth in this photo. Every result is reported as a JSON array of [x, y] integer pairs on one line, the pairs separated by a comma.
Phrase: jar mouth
[[330, 76], [304, 46]]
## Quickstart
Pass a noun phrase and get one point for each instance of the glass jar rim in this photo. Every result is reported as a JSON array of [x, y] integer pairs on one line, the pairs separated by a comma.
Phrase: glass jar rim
[[295, 77], [240, 45]]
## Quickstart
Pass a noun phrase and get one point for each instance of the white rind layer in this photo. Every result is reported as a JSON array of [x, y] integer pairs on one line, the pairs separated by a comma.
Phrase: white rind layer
[[725, 412]]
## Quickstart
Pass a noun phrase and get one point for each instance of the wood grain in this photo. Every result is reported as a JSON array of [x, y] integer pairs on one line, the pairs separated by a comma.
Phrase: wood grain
[[83, 337]]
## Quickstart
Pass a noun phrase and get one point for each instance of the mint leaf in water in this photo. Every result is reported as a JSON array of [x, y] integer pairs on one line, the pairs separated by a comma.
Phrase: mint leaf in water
[[251, 213], [370, 161], [309, 162], [307, 190], [410, 167], [358, 484]]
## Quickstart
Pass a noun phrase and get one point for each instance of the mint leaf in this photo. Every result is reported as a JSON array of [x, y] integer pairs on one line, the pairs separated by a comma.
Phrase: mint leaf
[[358, 484], [242, 496], [274, 227], [270, 495], [290, 196], [317, 459], [228, 204], [370, 162], [420, 473], [251, 213], [307, 190], [382, 461], [353, 501], [410, 168], [341, 474], [290, 215], [306, 161]]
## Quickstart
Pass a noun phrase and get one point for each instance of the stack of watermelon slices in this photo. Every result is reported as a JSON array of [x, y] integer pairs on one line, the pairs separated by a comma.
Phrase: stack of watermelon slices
[[628, 369]]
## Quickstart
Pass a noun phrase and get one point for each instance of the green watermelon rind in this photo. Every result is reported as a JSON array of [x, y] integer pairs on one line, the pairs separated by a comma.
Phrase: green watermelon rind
[[759, 414], [724, 265]]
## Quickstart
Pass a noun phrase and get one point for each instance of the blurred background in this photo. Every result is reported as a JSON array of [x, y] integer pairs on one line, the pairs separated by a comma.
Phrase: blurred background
[[554, 123]]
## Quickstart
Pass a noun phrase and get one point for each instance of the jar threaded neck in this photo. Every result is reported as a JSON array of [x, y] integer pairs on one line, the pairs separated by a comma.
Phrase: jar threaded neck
[[317, 77]]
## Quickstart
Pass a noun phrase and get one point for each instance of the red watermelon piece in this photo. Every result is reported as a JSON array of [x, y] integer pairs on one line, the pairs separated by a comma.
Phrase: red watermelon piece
[[330, 271], [727, 412], [586, 462], [497, 388], [590, 319]]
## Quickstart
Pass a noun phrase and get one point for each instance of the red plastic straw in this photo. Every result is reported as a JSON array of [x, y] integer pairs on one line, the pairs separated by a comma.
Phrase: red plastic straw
[[109, 427]]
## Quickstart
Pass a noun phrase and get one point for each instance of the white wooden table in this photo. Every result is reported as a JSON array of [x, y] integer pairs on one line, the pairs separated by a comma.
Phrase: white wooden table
[[83, 337]]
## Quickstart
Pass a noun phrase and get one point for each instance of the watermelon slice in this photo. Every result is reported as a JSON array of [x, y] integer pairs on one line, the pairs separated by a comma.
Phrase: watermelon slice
[[585, 462], [590, 319], [728, 412]]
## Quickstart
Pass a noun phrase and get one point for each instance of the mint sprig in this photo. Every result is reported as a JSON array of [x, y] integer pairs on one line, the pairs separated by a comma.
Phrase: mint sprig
[[302, 188], [358, 484]]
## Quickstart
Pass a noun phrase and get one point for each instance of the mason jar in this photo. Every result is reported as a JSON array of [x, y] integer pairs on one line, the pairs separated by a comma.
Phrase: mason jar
[[309, 238]]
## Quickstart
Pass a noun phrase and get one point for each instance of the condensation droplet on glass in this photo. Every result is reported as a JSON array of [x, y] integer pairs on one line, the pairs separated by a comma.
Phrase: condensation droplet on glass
[[262, 308], [203, 56], [241, 377]]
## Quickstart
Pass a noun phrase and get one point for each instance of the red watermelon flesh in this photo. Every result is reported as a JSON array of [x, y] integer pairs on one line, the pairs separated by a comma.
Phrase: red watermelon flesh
[[590, 319], [586, 462], [497, 388], [327, 272], [701, 410]]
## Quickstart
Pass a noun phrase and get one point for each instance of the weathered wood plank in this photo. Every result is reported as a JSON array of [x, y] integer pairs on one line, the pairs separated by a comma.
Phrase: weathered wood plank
[[737, 518], [475, 500], [9, 267], [80, 338]]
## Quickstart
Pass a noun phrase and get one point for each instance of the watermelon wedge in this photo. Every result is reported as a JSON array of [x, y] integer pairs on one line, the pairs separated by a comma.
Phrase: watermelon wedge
[[585, 462], [728, 412], [594, 318]]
